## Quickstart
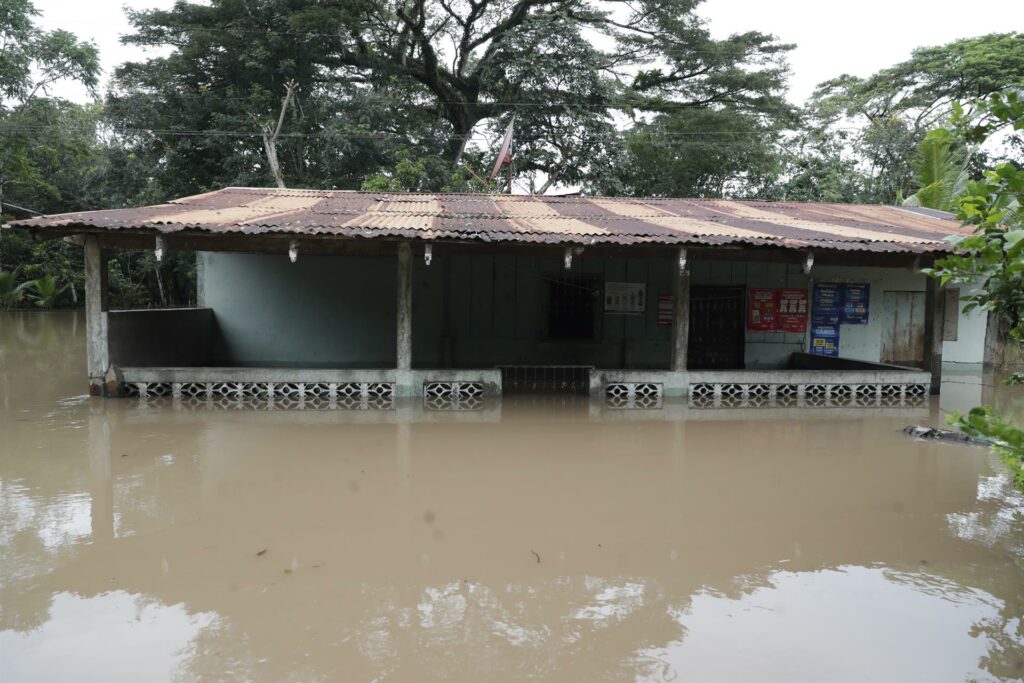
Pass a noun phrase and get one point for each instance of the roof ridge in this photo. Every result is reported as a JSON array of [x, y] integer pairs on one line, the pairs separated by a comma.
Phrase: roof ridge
[[547, 197]]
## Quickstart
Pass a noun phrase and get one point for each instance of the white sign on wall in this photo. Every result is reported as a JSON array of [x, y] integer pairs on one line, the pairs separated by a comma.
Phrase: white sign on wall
[[625, 297]]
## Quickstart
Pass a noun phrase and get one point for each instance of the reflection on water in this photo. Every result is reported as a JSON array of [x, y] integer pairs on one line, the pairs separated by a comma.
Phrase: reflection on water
[[868, 616], [79, 638], [530, 540]]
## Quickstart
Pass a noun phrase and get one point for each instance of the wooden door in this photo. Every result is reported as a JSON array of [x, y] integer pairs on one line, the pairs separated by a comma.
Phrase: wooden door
[[903, 334]]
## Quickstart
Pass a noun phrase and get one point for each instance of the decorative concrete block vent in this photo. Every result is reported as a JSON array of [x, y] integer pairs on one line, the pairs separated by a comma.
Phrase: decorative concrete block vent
[[453, 395], [816, 395], [633, 395], [283, 395]]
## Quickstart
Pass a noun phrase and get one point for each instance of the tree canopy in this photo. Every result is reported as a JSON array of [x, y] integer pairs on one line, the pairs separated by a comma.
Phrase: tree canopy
[[39, 132], [375, 77], [886, 116]]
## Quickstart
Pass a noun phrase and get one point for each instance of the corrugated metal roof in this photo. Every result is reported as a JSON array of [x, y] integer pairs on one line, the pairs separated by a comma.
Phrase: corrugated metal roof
[[539, 219]]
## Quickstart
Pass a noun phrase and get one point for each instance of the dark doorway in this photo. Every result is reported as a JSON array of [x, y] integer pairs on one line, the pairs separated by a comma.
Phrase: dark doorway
[[716, 328], [571, 308]]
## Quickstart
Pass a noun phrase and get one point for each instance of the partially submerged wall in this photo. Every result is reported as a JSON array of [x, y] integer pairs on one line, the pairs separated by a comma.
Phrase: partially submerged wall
[[322, 311], [857, 342], [176, 337], [485, 310], [467, 311]]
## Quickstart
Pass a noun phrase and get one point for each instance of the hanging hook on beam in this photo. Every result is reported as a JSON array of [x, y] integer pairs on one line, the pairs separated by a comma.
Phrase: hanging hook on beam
[[808, 263]]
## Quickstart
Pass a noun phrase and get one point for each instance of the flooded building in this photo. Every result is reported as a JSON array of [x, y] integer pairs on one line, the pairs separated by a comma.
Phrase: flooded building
[[364, 295]]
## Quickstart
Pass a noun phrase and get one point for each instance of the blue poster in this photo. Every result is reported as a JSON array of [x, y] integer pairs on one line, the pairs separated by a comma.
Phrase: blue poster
[[855, 305], [825, 339], [826, 302]]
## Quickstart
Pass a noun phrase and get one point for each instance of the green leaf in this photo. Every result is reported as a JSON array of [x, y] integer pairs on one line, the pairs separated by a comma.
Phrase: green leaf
[[1014, 236]]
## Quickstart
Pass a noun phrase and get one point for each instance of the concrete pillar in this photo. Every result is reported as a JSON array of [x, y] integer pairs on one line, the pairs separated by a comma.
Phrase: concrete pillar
[[680, 316], [97, 350], [934, 317], [404, 307], [200, 279]]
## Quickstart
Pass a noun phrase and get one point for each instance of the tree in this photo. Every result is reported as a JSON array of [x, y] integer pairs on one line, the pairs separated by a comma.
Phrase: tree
[[894, 109], [11, 292], [45, 291], [942, 171], [697, 153], [44, 140], [55, 156], [992, 257], [428, 76], [817, 167], [31, 125]]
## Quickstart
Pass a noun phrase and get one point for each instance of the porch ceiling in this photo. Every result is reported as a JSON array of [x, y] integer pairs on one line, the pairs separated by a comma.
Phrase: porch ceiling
[[239, 212]]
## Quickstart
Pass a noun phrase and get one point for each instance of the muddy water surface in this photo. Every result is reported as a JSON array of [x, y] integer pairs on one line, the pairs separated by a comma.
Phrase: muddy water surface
[[149, 542]]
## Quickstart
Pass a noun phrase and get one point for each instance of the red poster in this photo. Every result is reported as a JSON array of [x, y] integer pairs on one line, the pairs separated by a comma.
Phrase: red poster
[[762, 310], [793, 310]]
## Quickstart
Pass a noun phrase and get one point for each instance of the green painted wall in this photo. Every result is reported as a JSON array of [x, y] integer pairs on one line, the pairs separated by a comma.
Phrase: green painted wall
[[468, 311], [320, 312], [497, 313]]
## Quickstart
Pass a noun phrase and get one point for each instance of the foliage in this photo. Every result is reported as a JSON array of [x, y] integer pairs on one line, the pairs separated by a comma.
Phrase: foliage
[[32, 127], [382, 82], [890, 112], [815, 167], [414, 173], [941, 171], [11, 293], [44, 291], [1006, 439], [696, 153], [56, 157], [992, 256]]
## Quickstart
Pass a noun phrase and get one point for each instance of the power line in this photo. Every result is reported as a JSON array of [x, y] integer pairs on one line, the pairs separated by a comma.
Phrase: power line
[[329, 34], [680, 139], [370, 135], [547, 104], [20, 208]]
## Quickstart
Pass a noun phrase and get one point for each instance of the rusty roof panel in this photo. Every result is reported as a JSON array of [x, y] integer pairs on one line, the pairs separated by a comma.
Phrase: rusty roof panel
[[533, 219]]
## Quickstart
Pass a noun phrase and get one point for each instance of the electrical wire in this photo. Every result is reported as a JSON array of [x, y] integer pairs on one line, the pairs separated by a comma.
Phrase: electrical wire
[[326, 34]]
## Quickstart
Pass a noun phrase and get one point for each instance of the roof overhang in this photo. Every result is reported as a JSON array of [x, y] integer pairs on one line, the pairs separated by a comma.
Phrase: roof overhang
[[255, 219]]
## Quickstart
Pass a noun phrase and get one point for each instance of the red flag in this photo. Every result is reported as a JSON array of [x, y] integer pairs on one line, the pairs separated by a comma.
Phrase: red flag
[[505, 154]]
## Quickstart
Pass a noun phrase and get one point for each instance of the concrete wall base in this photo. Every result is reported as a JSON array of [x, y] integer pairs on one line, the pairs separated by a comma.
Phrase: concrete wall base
[[673, 384], [263, 381]]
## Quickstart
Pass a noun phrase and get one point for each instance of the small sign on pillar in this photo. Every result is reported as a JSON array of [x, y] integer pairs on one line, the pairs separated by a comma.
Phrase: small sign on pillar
[[666, 306]]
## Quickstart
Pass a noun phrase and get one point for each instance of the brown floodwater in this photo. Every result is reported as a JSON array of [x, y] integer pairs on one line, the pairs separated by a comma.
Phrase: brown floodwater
[[529, 540]]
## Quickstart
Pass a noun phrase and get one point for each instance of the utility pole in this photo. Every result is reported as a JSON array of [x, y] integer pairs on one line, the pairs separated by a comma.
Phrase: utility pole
[[510, 169]]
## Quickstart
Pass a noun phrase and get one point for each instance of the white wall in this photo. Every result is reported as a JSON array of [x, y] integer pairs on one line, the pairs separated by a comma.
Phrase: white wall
[[969, 346], [864, 342]]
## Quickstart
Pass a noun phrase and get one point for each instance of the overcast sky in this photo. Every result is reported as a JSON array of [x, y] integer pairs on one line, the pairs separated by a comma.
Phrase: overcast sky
[[831, 37]]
